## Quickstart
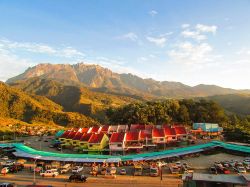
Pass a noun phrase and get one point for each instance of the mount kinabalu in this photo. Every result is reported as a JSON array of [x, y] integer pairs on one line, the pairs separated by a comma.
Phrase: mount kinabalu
[[104, 80]]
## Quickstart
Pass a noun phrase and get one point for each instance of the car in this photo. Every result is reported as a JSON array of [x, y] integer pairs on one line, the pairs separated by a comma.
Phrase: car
[[178, 164], [77, 178], [65, 168], [77, 169], [113, 170], [49, 173], [7, 184], [240, 169], [222, 170], [5, 158], [103, 171], [154, 171], [5, 170], [123, 171], [51, 146], [9, 163], [213, 170]]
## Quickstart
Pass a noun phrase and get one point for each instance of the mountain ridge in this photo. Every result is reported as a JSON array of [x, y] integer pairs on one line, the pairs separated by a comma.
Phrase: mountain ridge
[[104, 80]]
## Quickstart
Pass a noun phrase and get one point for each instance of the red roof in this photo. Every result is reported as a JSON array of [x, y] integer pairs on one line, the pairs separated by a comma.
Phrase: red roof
[[95, 129], [78, 136], [65, 134], [137, 127], [169, 131], [180, 130], [96, 138], [158, 133], [105, 128], [71, 135], [117, 137], [145, 134], [85, 137], [149, 127], [166, 126], [85, 130], [133, 136]]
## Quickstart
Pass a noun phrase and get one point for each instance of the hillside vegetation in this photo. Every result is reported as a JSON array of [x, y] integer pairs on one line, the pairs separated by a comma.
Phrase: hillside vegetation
[[234, 103], [31, 108]]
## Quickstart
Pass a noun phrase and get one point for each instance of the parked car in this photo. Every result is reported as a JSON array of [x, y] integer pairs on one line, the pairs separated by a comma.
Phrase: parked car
[[113, 170], [7, 184], [65, 168], [123, 171], [5, 170], [49, 173], [103, 171], [77, 178], [213, 170], [154, 171], [240, 169], [77, 169], [223, 170], [5, 158]]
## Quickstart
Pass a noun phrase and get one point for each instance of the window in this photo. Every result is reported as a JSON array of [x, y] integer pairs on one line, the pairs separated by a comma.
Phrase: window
[[173, 138], [90, 145], [119, 145]]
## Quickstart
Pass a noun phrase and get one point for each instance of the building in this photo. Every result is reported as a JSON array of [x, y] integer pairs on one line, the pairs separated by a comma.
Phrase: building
[[207, 129], [133, 140], [137, 127], [105, 129], [170, 134], [158, 136], [181, 133], [122, 128], [116, 142], [97, 143], [210, 180], [112, 129], [146, 137], [76, 139], [83, 143]]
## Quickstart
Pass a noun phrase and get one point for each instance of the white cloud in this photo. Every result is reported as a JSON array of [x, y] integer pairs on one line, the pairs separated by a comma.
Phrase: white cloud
[[67, 52], [131, 36], [153, 13], [206, 28], [185, 25], [159, 41], [193, 34], [188, 53], [243, 51]]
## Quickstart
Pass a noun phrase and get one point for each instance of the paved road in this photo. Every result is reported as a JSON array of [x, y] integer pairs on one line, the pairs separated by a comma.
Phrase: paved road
[[23, 179]]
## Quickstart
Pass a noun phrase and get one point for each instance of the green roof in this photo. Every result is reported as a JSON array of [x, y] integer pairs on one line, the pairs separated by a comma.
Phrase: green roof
[[150, 155]]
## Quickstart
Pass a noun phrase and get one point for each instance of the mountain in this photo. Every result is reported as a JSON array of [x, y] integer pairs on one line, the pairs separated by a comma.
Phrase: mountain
[[73, 98], [234, 103], [29, 108], [102, 79]]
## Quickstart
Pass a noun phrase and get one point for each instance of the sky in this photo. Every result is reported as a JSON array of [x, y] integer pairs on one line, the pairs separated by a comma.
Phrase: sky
[[189, 41]]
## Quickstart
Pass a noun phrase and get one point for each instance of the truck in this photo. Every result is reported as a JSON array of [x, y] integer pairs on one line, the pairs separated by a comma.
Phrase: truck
[[138, 170]]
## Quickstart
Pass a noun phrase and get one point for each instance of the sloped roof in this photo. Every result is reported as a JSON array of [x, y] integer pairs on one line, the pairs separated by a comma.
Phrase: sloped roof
[[169, 131], [95, 129], [146, 134], [78, 136], [158, 133], [105, 128], [122, 128], [137, 127], [96, 138], [149, 128], [65, 134], [117, 137], [71, 135], [113, 128], [180, 130], [85, 137], [132, 136], [85, 130]]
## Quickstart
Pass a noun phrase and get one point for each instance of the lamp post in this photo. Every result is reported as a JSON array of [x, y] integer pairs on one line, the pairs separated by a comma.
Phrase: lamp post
[[34, 174]]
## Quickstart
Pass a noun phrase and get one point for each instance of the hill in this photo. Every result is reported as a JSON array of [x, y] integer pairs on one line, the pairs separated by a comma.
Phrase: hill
[[234, 103], [104, 80], [73, 97], [28, 108]]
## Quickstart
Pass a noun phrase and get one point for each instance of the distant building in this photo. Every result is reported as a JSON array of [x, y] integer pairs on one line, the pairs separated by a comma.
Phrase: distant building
[[210, 180], [207, 128]]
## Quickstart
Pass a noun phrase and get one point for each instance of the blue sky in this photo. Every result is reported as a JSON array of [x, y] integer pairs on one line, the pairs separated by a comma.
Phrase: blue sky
[[190, 41]]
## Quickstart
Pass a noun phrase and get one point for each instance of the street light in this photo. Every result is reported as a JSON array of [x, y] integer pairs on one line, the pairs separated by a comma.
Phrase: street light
[[34, 175]]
